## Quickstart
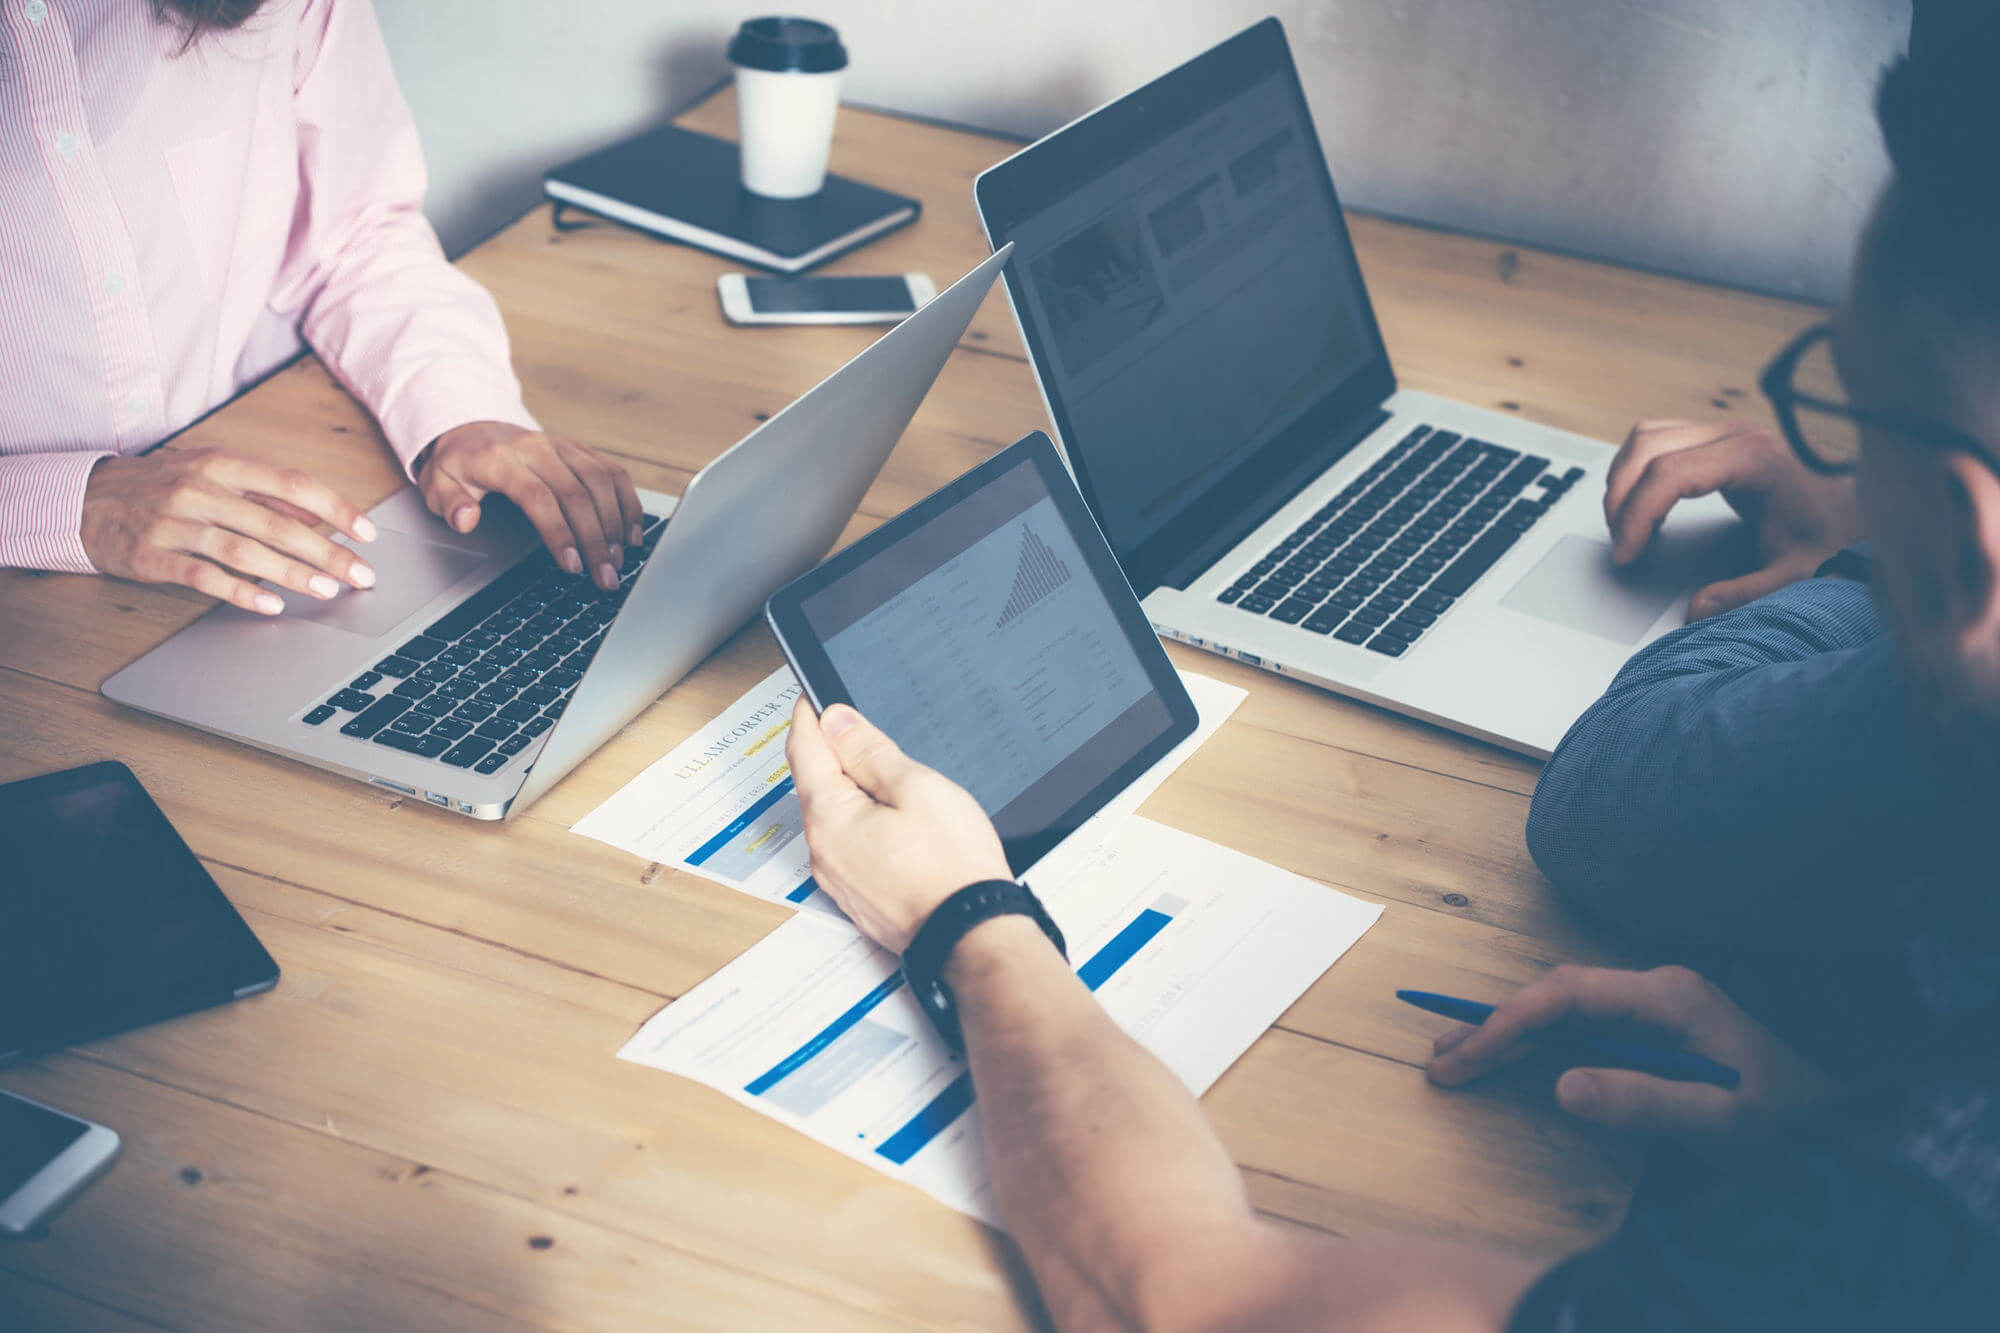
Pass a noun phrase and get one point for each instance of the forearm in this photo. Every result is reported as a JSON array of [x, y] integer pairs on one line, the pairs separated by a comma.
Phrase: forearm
[[1129, 1210], [417, 341], [1100, 1158]]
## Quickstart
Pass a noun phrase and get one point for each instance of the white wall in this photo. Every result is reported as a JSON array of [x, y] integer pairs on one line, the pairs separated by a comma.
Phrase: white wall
[[1731, 140]]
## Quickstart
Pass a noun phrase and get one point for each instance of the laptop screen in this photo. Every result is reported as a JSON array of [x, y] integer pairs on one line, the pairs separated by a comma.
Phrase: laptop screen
[[1186, 284]]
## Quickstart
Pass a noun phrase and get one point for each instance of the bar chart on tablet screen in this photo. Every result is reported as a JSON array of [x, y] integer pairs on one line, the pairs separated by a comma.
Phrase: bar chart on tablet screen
[[1040, 573]]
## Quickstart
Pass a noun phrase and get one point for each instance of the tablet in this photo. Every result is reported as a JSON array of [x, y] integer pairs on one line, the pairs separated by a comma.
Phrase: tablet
[[107, 920], [989, 631]]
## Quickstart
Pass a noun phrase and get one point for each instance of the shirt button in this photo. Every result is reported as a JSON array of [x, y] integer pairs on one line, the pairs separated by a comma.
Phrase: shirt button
[[36, 11], [135, 405], [66, 145], [114, 282]]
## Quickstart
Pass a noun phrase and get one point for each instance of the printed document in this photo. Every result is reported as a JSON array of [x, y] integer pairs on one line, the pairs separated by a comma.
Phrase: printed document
[[1193, 948], [721, 803]]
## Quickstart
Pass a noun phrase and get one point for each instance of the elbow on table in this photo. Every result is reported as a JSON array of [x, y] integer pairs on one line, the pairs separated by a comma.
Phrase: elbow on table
[[1597, 853]]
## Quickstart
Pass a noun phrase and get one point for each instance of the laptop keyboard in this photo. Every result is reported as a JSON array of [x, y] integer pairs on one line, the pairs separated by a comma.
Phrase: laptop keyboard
[[1380, 562], [478, 686]]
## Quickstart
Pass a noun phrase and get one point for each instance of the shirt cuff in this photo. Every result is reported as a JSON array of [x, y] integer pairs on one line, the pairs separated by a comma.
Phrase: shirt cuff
[[445, 395], [41, 511], [1850, 562]]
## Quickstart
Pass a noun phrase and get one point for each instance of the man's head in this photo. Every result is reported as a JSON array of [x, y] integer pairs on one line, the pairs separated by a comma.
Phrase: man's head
[[1920, 338]]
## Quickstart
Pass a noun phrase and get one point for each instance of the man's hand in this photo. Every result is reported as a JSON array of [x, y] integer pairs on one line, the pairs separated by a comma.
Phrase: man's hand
[[583, 505], [890, 838], [1800, 518], [1679, 1005], [217, 522]]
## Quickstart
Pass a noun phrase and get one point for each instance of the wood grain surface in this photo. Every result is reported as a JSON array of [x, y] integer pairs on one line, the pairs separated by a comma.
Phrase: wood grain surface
[[424, 1125]]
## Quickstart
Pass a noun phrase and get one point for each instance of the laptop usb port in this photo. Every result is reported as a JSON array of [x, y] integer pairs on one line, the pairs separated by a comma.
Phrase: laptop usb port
[[436, 798]]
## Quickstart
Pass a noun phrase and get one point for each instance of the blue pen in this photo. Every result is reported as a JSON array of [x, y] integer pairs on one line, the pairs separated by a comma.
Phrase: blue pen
[[1586, 1048]]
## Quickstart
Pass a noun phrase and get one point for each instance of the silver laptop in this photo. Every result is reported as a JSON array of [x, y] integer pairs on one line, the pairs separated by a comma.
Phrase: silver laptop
[[1185, 285], [475, 674]]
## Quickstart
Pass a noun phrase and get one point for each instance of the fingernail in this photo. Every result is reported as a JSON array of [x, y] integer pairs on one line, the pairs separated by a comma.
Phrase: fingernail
[[571, 560], [638, 535], [608, 576], [617, 555], [363, 575], [839, 720], [269, 603], [1579, 1088], [322, 586], [464, 517], [1450, 1040], [364, 528]]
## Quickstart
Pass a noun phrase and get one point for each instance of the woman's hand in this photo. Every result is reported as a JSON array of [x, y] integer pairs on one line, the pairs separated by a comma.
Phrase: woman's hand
[[890, 838], [217, 522], [1801, 519], [1682, 1007], [583, 504]]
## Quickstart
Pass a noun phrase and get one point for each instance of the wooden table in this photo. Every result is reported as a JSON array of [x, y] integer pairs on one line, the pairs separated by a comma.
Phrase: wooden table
[[425, 1127]]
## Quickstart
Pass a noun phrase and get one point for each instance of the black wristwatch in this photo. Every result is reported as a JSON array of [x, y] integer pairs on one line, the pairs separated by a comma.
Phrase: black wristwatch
[[930, 949]]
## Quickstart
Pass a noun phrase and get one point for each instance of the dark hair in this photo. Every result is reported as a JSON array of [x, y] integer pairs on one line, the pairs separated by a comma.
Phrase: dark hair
[[198, 18], [1940, 226], [1942, 129]]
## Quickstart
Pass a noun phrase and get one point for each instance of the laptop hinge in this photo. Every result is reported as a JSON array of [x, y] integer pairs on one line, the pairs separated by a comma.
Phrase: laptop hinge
[[1268, 502]]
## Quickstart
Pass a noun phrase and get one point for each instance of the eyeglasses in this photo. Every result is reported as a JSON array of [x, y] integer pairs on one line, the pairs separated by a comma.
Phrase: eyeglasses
[[1804, 387]]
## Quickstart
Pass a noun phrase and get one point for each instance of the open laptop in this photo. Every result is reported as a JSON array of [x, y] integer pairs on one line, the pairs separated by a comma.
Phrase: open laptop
[[475, 674], [1185, 285]]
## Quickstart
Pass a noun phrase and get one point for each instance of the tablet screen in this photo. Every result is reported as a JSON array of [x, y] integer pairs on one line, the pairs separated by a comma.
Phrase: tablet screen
[[986, 639], [107, 920]]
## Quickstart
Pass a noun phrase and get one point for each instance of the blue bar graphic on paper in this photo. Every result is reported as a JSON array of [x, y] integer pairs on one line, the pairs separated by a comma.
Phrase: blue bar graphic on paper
[[803, 891], [949, 1105], [741, 822], [1118, 950], [928, 1123], [769, 1079]]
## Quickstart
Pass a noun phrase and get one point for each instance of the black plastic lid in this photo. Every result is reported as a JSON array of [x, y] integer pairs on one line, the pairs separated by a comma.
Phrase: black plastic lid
[[782, 44]]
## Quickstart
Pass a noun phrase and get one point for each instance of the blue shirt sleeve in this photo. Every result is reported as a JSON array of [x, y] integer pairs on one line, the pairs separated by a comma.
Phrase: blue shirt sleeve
[[1806, 1230], [1734, 775]]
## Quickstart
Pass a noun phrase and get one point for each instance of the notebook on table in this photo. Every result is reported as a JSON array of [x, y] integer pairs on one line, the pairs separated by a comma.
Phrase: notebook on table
[[683, 186]]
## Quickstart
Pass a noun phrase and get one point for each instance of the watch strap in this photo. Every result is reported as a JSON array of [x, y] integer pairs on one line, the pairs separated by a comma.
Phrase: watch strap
[[930, 949]]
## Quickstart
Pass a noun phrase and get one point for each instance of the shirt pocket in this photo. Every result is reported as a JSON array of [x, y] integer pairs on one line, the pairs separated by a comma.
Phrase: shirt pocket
[[209, 175]]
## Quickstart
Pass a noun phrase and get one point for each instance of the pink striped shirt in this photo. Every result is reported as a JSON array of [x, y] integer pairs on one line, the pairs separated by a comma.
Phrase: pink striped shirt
[[173, 226]]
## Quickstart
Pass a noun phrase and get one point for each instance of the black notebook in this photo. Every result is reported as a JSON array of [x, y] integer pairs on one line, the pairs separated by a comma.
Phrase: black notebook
[[683, 186]]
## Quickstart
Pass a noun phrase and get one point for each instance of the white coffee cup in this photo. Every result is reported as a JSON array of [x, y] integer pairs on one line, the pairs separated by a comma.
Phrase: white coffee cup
[[787, 92]]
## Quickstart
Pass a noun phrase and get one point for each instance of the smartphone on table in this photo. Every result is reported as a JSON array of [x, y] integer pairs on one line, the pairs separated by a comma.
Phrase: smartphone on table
[[46, 1159], [754, 300]]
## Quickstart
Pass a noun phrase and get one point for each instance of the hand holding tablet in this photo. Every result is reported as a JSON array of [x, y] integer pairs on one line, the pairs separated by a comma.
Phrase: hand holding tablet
[[989, 632]]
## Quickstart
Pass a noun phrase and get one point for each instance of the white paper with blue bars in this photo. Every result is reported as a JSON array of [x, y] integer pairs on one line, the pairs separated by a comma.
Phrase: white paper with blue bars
[[720, 803], [1193, 948]]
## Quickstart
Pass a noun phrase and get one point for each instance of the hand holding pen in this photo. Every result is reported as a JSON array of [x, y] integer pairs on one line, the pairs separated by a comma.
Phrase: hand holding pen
[[1674, 1080]]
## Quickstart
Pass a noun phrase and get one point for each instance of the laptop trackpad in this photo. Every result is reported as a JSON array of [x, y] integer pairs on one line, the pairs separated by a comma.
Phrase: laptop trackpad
[[1577, 586], [411, 572]]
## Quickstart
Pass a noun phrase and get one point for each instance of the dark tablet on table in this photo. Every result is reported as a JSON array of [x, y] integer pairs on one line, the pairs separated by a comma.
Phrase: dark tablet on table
[[107, 920], [989, 631]]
